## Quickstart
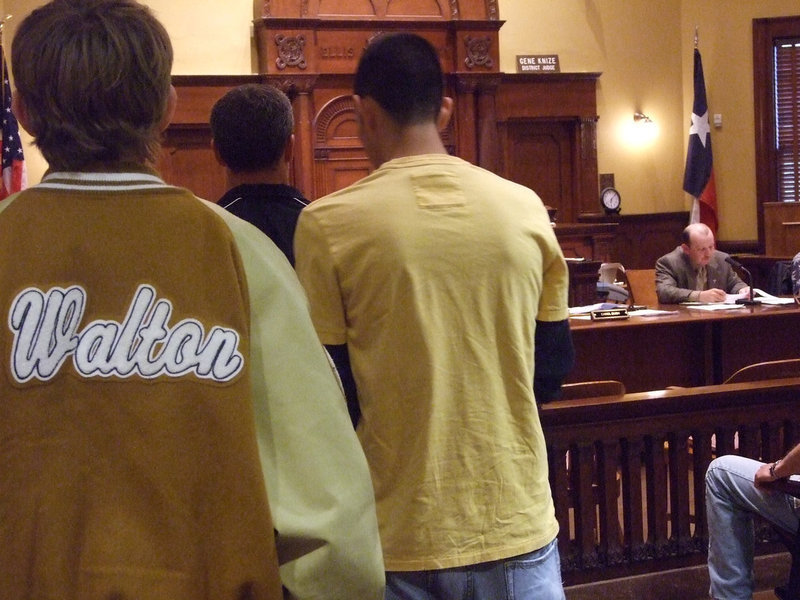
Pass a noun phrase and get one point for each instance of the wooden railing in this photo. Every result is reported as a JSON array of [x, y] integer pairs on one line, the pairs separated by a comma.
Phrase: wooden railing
[[628, 472]]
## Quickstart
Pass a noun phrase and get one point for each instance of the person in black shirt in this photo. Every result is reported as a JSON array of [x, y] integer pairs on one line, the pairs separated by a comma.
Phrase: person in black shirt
[[252, 127]]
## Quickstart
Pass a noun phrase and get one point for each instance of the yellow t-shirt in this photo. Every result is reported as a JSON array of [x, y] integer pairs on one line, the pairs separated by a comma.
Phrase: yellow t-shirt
[[434, 272]]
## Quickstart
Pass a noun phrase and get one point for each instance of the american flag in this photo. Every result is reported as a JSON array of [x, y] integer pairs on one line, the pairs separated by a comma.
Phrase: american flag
[[13, 162]]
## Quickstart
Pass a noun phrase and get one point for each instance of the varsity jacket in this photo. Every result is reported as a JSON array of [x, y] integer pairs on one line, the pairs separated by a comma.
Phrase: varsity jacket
[[142, 395]]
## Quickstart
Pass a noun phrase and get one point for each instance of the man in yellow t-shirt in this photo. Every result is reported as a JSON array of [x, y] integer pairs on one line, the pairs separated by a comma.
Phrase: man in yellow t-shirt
[[429, 282]]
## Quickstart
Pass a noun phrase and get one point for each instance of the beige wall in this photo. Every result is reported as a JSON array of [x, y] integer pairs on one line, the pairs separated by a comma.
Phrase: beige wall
[[726, 44], [637, 50], [643, 48]]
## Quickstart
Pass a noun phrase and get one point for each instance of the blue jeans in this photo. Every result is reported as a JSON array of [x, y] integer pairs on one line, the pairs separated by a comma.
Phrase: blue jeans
[[731, 501], [532, 576]]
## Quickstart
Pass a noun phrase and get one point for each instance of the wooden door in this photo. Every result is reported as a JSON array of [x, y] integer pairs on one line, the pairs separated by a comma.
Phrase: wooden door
[[540, 154]]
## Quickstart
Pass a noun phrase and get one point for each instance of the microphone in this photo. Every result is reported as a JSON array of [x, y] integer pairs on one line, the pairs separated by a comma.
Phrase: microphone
[[740, 267]]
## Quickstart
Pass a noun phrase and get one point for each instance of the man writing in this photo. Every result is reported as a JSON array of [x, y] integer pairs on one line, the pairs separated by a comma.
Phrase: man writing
[[696, 271], [433, 278]]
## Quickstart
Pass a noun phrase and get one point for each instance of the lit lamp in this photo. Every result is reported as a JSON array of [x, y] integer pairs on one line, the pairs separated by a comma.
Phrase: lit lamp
[[645, 129]]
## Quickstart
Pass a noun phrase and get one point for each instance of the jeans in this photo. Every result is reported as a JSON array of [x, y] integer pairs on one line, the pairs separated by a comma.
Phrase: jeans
[[731, 501], [532, 576]]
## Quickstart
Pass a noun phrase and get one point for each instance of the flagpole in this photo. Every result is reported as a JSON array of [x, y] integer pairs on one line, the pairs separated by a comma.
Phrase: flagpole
[[694, 214], [3, 73]]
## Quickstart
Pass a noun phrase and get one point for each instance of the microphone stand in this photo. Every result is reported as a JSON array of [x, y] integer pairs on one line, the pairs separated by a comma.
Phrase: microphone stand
[[739, 266]]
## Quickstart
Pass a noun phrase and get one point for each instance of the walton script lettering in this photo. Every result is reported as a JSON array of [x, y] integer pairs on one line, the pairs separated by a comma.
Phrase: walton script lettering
[[45, 327]]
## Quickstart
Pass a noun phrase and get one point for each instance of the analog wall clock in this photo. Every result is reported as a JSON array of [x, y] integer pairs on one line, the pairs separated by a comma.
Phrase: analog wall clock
[[610, 199]]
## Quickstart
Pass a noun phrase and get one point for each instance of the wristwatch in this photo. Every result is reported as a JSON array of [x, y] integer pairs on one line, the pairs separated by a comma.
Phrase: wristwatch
[[772, 470]]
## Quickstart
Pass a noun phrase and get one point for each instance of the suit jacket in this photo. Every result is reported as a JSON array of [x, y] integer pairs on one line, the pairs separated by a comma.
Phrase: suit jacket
[[676, 278]]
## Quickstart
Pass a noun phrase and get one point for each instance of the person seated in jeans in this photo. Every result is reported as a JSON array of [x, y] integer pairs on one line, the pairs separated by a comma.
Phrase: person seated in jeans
[[736, 489]]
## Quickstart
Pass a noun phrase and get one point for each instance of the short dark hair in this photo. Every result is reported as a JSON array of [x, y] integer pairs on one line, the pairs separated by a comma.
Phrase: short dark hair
[[402, 73], [95, 79], [251, 126]]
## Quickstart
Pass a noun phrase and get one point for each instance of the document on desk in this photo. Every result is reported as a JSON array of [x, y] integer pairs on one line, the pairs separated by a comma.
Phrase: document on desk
[[769, 298], [652, 312], [712, 305], [586, 310]]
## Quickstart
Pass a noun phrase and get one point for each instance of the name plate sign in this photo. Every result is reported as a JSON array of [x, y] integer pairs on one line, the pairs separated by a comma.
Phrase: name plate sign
[[538, 63], [609, 313]]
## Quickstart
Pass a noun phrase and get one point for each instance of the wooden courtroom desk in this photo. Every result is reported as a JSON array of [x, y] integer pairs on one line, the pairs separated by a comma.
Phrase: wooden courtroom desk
[[690, 348]]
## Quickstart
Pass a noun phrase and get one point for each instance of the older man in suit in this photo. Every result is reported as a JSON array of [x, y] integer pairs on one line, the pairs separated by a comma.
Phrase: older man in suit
[[696, 270]]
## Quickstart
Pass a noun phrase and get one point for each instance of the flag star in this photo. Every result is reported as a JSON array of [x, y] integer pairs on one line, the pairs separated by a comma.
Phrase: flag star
[[701, 127]]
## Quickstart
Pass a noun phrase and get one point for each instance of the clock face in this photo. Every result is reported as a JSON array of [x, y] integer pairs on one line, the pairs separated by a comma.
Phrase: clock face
[[610, 199]]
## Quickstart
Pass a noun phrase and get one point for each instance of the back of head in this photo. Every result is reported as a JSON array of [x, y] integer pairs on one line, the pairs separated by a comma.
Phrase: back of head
[[402, 73], [94, 76], [251, 126]]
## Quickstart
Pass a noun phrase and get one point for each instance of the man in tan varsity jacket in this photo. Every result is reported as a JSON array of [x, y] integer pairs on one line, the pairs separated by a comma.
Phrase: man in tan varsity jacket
[[158, 361]]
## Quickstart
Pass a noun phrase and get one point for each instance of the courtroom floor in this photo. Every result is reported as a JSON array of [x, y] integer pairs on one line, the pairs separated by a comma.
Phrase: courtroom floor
[[762, 595], [765, 595]]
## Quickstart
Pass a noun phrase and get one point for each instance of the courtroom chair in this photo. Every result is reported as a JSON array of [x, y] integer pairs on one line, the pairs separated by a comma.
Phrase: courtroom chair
[[642, 286], [773, 369]]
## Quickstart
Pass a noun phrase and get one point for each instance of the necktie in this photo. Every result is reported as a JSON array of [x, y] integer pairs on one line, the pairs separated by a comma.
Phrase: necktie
[[701, 279]]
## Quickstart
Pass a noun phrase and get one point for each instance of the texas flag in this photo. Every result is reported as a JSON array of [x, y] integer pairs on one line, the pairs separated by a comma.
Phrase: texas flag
[[698, 178], [11, 158]]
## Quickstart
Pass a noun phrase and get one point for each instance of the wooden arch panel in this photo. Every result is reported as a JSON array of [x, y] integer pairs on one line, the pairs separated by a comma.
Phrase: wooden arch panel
[[339, 157]]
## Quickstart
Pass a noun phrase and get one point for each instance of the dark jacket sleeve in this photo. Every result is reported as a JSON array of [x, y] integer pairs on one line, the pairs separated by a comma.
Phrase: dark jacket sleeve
[[341, 358], [554, 358]]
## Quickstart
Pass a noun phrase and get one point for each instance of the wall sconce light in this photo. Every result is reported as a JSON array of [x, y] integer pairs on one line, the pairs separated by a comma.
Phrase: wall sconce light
[[642, 131]]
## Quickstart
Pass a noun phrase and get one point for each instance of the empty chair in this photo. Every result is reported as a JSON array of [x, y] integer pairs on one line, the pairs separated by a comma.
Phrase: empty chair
[[642, 286], [773, 369]]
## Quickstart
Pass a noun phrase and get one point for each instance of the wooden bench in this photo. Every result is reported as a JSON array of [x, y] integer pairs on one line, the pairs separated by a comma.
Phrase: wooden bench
[[630, 495]]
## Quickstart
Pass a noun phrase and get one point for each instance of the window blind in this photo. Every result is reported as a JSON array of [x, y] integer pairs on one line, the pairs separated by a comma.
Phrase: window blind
[[787, 118]]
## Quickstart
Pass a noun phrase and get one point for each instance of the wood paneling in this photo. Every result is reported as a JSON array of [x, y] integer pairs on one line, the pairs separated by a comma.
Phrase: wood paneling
[[781, 228], [538, 130], [546, 127], [640, 240], [186, 156], [540, 154], [628, 473], [765, 33], [587, 241], [642, 351]]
